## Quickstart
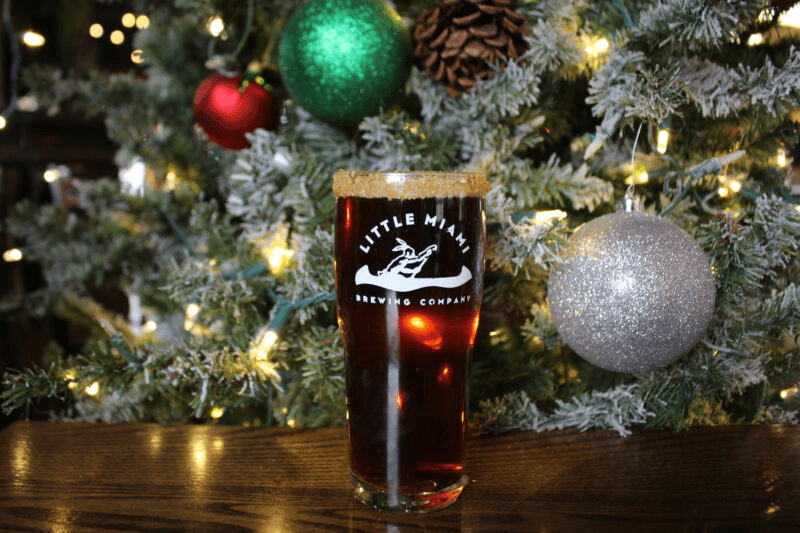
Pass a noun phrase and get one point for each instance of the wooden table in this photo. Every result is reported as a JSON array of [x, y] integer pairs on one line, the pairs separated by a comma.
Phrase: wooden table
[[77, 477]]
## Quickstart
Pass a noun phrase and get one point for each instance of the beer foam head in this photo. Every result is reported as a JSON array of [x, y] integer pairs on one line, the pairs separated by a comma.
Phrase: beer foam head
[[408, 184]]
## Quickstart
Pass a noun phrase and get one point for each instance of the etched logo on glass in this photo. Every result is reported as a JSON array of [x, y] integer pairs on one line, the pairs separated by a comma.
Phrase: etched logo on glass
[[400, 275]]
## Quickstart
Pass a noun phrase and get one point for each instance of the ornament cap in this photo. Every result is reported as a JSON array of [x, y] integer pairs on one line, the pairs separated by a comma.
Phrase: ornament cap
[[631, 203]]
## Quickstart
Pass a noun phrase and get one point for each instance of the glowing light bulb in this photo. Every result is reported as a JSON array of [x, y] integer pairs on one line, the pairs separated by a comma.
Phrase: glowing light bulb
[[279, 259], [190, 316], [638, 177], [755, 39], [790, 18], [142, 22], [33, 39], [150, 326], [215, 26], [133, 177], [728, 186], [217, 412], [70, 376], [780, 158], [544, 217], [259, 352], [598, 46], [662, 141], [137, 57], [117, 37], [171, 180], [96, 30], [93, 389], [274, 250], [788, 393], [129, 20], [13, 255], [3, 122], [51, 175], [264, 344]]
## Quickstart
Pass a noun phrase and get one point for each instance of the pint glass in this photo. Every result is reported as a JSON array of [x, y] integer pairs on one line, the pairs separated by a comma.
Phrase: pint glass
[[409, 274]]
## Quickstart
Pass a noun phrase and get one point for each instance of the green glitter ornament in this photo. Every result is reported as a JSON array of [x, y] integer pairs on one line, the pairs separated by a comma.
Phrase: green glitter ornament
[[343, 60]]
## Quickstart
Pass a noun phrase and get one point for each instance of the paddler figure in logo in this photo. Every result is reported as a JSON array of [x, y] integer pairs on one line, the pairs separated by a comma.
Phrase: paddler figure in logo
[[409, 262]]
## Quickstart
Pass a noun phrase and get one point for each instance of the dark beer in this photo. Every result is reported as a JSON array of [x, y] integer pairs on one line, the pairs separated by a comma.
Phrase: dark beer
[[409, 269]]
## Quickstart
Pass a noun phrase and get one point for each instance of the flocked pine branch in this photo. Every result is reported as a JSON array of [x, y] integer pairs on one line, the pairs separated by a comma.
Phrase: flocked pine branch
[[689, 25], [617, 409]]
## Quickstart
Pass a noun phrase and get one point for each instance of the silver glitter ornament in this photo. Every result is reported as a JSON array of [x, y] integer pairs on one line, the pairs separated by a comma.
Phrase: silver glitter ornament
[[634, 292]]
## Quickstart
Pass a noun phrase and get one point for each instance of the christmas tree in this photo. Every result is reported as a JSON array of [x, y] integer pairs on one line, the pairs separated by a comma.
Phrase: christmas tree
[[686, 107]]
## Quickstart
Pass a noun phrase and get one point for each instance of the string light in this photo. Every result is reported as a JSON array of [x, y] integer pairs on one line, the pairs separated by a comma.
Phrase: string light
[[150, 326], [3, 122], [217, 412], [93, 389], [129, 20], [275, 251], [33, 39], [190, 316], [171, 180], [13, 255], [137, 57], [728, 186], [780, 158], [117, 37], [264, 343], [279, 258], [755, 39], [545, 217], [788, 393], [96, 30], [51, 175], [215, 26], [70, 376], [259, 352], [598, 46], [790, 18], [142, 22], [133, 177], [662, 141], [638, 176]]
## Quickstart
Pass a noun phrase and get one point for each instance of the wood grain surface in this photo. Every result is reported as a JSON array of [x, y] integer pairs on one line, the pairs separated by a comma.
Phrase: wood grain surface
[[77, 477]]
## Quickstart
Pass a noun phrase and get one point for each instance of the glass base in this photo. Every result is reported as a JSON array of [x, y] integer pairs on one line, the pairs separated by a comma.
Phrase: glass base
[[418, 502]]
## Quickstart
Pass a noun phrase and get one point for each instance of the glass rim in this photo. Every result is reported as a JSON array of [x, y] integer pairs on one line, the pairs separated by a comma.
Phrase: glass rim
[[407, 184]]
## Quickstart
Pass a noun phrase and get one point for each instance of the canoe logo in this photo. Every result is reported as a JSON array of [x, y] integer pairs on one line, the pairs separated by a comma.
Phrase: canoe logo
[[401, 273]]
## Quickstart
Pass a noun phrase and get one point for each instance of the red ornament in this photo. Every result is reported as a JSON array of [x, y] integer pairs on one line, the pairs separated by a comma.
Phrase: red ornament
[[226, 113]]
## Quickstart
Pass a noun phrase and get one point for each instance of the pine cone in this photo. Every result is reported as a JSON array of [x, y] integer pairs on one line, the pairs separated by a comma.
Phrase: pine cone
[[457, 41]]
